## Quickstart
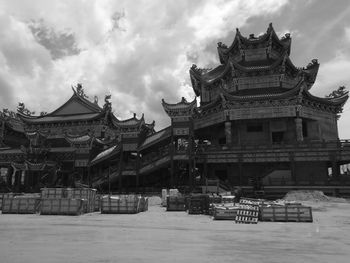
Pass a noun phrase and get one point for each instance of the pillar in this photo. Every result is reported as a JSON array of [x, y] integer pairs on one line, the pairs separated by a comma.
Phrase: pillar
[[299, 129], [172, 151], [137, 171], [335, 169], [228, 132], [293, 168]]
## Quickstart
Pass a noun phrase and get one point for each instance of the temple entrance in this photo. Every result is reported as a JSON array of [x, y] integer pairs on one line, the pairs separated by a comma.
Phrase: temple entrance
[[221, 175], [277, 137]]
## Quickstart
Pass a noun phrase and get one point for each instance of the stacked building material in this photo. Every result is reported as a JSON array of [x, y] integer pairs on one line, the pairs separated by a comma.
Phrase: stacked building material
[[165, 194], [226, 211], [228, 199], [120, 204], [214, 200], [62, 206], [86, 194], [67, 201], [15, 203], [21, 205], [5, 196], [97, 206], [286, 213], [248, 211], [169, 192], [198, 204], [143, 204], [176, 203]]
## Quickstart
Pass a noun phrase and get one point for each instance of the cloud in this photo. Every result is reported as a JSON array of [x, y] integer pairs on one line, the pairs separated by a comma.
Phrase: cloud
[[347, 34], [333, 74], [140, 52], [60, 44]]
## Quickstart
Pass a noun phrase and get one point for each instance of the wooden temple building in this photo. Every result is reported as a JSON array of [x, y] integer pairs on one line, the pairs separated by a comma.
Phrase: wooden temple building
[[255, 125]]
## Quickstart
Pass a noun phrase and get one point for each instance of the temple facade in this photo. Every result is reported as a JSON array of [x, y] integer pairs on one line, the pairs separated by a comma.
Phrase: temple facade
[[253, 123]]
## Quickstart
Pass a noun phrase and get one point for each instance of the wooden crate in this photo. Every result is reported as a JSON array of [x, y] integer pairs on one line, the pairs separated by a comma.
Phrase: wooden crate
[[5, 195], [198, 204], [97, 203], [62, 206], [176, 203], [228, 199], [143, 204], [87, 194], [53, 193], [225, 213], [288, 213], [122, 204], [25, 205]]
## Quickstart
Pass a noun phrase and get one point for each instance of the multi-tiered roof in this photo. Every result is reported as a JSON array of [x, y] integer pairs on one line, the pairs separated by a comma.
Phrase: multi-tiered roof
[[257, 69]]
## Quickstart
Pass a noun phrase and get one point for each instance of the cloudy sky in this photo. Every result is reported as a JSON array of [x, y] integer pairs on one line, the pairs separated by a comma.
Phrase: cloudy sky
[[141, 51]]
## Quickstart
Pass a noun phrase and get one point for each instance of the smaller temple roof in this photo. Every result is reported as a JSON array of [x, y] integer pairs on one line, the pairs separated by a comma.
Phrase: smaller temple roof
[[132, 122], [82, 139], [181, 108], [78, 107], [105, 154], [240, 43], [155, 138]]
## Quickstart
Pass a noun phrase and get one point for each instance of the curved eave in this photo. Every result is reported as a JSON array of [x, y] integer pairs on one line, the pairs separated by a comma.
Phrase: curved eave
[[155, 138], [337, 101], [15, 125], [275, 64], [84, 139], [311, 72], [129, 123], [227, 97], [207, 78], [104, 142], [183, 105], [54, 119], [104, 155]]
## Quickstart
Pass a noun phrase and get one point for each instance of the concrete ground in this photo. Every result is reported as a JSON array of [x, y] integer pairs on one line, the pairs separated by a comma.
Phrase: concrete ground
[[159, 236]]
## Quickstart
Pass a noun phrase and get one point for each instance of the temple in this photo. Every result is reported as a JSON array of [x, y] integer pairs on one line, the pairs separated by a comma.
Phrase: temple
[[252, 123]]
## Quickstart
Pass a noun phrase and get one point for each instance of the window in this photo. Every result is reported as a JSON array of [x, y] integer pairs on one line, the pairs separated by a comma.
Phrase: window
[[255, 127]]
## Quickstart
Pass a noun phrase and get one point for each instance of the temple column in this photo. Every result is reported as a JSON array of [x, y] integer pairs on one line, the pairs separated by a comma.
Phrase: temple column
[[137, 171], [299, 129], [335, 168], [293, 168], [228, 132]]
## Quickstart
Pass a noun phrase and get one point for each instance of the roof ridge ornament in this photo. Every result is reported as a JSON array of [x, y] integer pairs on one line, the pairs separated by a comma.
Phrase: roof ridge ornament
[[21, 108], [79, 90], [341, 91]]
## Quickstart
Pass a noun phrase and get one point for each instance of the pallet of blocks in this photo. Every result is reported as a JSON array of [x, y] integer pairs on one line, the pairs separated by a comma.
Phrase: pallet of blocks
[[286, 213], [214, 200], [176, 203], [120, 204], [225, 212], [248, 211], [88, 195], [54, 193], [143, 204], [198, 204], [21, 205], [62, 206], [4, 196], [97, 206], [165, 194]]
